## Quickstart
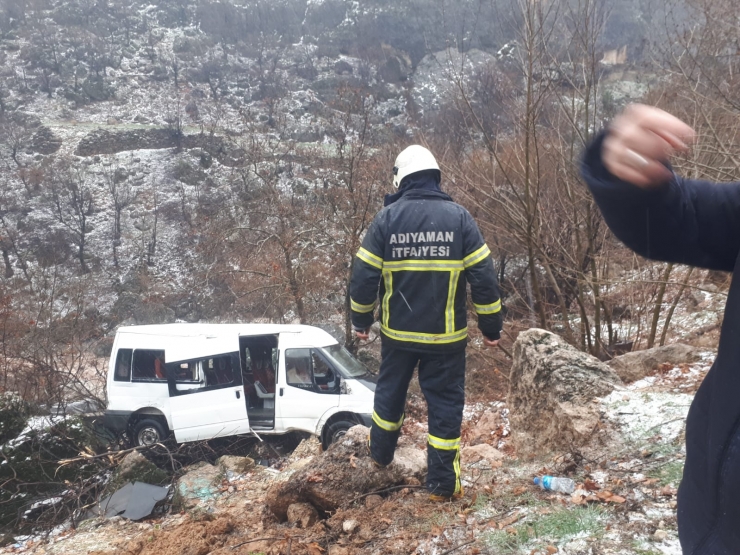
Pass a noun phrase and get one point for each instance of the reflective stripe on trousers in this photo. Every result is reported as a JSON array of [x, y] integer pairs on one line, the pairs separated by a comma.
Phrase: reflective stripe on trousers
[[442, 381]]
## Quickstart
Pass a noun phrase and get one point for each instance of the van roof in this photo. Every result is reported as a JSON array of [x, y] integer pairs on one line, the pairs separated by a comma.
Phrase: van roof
[[194, 330]]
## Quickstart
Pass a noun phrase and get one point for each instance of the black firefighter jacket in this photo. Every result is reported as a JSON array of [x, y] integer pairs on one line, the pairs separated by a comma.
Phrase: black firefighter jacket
[[423, 249], [696, 223]]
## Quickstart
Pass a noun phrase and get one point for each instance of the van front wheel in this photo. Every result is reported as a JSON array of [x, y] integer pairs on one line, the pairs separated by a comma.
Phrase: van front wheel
[[148, 432], [336, 431]]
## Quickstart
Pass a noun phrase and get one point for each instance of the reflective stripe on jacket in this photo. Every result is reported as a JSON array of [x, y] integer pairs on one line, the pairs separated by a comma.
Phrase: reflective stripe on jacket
[[423, 250]]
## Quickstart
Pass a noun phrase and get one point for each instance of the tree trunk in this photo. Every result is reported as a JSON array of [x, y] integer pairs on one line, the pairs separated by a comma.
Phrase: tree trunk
[[658, 306]]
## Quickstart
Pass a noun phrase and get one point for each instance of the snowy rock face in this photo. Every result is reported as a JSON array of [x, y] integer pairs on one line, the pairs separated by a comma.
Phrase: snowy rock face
[[635, 366], [552, 390], [438, 75]]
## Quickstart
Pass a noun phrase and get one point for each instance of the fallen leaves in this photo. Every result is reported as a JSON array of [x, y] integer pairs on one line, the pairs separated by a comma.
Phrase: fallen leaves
[[582, 497], [314, 549], [508, 521], [609, 497]]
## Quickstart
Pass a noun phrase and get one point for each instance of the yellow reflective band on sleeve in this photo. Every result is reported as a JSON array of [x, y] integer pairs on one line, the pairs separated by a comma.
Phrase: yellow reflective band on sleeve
[[386, 425], [477, 256], [366, 256], [492, 308], [445, 444], [450, 308], [423, 265], [361, 308], [419, 337]]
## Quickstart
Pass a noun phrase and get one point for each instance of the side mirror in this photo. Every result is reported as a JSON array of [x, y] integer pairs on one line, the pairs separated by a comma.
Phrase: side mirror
[[343, 389]]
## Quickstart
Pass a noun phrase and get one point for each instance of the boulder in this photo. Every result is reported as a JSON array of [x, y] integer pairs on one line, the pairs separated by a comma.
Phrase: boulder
[[200, 485], [303, 515], [342, 473], [372, 501], [483, 430], [411, 461], [551, 392], [483, 451], [635, 366], [235, 465], [135, 467]]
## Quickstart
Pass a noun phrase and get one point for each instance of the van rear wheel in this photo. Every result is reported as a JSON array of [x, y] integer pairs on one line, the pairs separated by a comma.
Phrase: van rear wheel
[[148, 432], [336, 431]]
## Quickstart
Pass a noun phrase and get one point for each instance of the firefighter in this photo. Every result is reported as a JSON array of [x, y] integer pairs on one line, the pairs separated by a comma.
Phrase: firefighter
[[422, 249]]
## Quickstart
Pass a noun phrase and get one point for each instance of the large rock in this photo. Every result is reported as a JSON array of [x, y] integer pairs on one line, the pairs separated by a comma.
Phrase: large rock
[[343, 472], [551, 392], [135, 467], [234, 466], [635, 366], [483, 430], [303, 515], [476, 453], [200, 485]]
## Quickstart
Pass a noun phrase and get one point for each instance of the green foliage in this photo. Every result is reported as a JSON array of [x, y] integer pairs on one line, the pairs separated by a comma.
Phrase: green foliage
[[669, 474], [548, 528], [639, 548], [14, 413], [30, 463]]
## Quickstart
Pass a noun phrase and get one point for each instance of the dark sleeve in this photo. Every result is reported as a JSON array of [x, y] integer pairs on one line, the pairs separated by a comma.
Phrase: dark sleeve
[[684, 221], [366, 270], [480, 274]]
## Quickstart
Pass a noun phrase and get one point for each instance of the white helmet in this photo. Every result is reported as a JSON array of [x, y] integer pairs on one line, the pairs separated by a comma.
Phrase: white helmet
[[414, 159]]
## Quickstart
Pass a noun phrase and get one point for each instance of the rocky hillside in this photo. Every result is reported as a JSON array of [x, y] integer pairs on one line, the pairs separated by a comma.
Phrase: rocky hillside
[[128, 128]]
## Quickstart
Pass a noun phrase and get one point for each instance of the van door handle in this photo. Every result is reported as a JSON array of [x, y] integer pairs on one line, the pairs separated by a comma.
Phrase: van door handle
[[238, 394], [281, 391]]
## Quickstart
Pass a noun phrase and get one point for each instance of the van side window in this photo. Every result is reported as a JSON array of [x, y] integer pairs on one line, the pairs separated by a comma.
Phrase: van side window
[[204, 374], [123, 366], [183, 371], [298, 368], [148, 365], [324, 375], [306, 369], [219, 370]]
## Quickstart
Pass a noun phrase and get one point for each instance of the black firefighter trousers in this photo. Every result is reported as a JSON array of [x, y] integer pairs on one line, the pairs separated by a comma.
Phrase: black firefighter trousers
[[442, 380]]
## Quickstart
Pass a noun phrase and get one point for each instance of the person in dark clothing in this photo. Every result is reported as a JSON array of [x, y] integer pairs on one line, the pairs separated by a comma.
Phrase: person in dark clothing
[[663, 216], [426, 248]]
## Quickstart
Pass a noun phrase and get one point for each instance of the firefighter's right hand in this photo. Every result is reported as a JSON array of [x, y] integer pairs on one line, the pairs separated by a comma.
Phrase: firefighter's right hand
[[640, 142], [363, 335], [490, 342]]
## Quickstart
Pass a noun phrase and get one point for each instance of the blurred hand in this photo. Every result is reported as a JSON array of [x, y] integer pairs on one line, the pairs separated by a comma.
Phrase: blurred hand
[[490, 342], [640, 141], [363, 335]]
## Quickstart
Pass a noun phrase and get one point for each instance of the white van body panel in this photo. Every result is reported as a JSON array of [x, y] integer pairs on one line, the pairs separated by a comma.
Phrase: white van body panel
[[221, 412], [202, 346], [358, 397], [209, 414], [299, 409]]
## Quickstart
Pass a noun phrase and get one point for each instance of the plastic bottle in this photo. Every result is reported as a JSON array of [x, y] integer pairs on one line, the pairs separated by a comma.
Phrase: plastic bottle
[[560, 485]]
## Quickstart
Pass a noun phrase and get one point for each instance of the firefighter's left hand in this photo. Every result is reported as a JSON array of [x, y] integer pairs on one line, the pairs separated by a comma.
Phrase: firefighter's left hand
[[490, 342], [363, 335]]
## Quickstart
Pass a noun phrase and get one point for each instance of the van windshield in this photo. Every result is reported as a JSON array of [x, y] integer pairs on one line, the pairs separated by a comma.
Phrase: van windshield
[[345, 362]]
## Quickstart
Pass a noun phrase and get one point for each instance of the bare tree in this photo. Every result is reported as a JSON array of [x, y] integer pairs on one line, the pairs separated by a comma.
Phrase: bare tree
[[122, 195], [72, 205]]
